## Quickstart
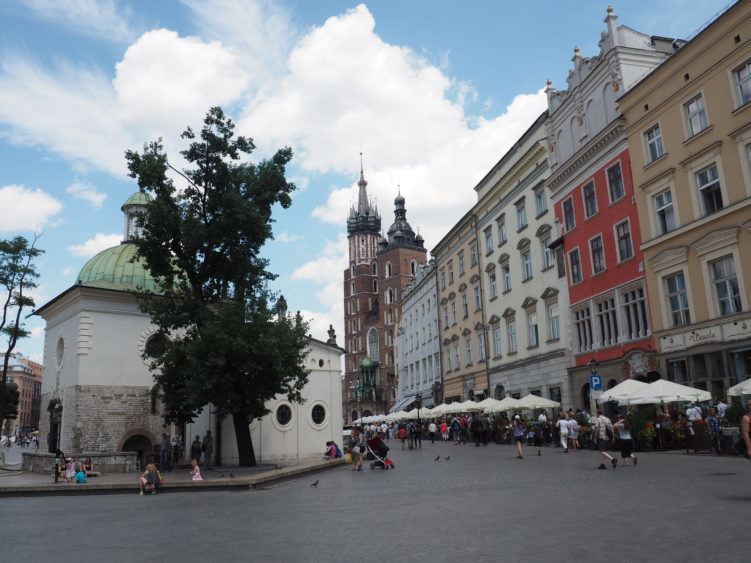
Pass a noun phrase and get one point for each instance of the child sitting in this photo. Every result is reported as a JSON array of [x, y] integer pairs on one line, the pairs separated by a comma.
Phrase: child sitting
[[150, 480]]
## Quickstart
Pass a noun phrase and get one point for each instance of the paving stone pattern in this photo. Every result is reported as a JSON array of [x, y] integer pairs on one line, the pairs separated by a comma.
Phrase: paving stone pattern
[[482, 504]]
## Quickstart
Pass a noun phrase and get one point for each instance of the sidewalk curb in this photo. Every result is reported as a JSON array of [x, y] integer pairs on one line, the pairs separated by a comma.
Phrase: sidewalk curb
[[236, 484]]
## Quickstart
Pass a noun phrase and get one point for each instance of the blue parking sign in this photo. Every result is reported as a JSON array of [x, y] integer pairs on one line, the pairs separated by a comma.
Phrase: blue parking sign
[[595, 382]]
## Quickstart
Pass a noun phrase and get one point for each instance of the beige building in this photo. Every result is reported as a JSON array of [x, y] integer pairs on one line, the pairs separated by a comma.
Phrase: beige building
[[461, 322], [689, 136]]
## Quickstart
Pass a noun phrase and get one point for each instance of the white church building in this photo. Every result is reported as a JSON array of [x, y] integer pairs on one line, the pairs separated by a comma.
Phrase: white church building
[[98, 395]]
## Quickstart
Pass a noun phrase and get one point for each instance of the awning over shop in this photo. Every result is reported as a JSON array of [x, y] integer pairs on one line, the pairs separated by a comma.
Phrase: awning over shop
[[403, 404]]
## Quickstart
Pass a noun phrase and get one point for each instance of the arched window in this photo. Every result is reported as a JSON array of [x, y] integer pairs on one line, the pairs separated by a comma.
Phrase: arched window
[[375, 286], [500, 392], [388, 269], [352, 288], [373, 344], [413, 267], [375, 268]]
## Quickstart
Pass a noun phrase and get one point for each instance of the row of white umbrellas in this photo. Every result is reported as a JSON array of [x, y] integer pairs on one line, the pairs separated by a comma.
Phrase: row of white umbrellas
[[634, 392]]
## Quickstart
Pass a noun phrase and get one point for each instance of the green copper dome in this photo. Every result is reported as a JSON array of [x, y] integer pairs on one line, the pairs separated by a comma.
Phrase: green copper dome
[[114, 268], [138, 198]]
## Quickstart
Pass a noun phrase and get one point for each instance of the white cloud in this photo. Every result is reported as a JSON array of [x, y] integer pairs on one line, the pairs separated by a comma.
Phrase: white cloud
[[405, 113], [37, 332], [26, 209], [163, 83], [97, 243], [87, 192], [286, 237], [325, 271], [103, 19]]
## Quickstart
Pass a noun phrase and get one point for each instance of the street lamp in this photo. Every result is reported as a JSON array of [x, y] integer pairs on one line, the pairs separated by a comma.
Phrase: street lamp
[[592, 366], [418, 402]]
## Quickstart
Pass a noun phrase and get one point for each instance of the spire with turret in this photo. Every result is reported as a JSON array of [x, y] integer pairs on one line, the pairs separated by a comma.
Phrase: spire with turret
[[363, 218]]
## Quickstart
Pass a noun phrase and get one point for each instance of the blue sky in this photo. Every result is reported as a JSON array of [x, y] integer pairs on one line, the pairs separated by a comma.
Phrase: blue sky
[[433, 92]]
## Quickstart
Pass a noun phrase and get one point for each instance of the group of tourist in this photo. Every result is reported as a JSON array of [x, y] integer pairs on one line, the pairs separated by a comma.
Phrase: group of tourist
[[72, 470], [22, 440]]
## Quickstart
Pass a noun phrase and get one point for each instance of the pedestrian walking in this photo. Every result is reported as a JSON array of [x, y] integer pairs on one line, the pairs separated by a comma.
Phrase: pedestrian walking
[[537, 438], [604, 434], [563, 430], [164, 452], [358, 449], [195, 471], [573, 432], [476, 427], [627, 444], [485, 423], [746, 429], [208, 449], [444, 431], [456, 431], [195, 450], [519, 432], [432, 429], [418, 434]]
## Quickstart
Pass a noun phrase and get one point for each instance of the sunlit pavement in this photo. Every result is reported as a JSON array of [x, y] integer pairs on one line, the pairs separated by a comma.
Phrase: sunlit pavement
[[483, 503]]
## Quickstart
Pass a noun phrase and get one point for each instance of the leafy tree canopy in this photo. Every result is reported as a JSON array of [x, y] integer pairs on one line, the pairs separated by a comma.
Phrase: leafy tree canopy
[[223, 342]]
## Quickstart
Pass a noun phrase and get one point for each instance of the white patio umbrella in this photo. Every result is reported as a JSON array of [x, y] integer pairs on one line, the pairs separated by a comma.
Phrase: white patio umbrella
[[742, 388], [395, 416], [412, 415], [489, 402], [534, 402], [623, 389], [439, 410], [454, 408], [664, 391], [507, 404], [472, 406]]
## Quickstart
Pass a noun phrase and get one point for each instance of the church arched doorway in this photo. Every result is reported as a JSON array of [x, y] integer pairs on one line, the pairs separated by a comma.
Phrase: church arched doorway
[[500, 392], [366, 412], [142, 446], [585, 397]]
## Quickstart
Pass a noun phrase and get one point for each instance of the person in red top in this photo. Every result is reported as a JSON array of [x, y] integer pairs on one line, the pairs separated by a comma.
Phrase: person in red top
[[445, 431], [463, 424]]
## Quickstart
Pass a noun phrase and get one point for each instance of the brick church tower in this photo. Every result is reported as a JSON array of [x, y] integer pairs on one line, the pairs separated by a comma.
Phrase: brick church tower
[[379, 269]]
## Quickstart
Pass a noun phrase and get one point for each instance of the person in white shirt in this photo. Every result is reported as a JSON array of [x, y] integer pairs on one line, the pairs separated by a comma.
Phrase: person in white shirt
[[384, 431], [721, 408], [432, 429], [693, 413], [604, 433], [543, 417], [563, 425]]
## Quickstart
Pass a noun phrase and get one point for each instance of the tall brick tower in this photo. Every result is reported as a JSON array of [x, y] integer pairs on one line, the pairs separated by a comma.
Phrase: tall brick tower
[[399, 256], [361, 391]]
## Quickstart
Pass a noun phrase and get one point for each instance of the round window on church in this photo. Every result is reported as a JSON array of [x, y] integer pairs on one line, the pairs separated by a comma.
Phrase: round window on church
[[318, 414], [283, 415], [155, 346]]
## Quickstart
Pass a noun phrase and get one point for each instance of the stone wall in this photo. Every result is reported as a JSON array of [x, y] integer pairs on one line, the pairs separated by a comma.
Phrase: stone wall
[[104, 462], [106, 416]]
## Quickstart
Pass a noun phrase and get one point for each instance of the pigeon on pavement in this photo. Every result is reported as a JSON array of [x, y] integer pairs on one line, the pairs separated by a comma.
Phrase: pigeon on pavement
[[436, 459], [447, 458], [314, 484]]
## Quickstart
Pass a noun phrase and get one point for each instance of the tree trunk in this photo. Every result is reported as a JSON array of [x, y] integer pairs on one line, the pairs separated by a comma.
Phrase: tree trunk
[[244, 442]]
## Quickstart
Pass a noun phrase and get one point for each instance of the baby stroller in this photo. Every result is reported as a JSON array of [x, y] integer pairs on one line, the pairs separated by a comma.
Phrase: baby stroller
[[377, 452]]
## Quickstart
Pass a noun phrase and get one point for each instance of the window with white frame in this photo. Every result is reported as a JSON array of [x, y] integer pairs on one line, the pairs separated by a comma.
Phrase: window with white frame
[[533, 332], [453, 312], [590, 200], [696, 115], [481, 347], [663, 203], [634, 314], [541, 202], [569, 220], [502, 237], [606, 319], [725, 283], [623, 236], [478, 300], [598, 255], [548, 255], [468, 350], [708, 183], [575, 264], [497, 342], [526, 264], [445, 317], [511, 332], [583, 329], [506, 272], [493, 286], [742, 76], [465, 307], [448, 360], [473, 254], [677, 370], [451, 274], [488, 240], [443, 280], [457, 362], [675, 289], [554, 327], [461, 263], [521, 214], [615, 182], [653, 139]]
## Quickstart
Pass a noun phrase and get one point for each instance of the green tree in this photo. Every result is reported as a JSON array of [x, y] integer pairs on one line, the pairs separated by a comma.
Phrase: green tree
[[18, 277], [223, 341]]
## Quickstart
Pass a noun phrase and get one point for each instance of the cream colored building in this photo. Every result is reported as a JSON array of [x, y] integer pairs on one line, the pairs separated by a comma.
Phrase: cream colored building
[[525, 295], [461, 321], [689, 135]]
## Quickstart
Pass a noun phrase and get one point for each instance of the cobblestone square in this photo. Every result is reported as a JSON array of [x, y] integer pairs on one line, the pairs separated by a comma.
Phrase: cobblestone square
[[481, 504]]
